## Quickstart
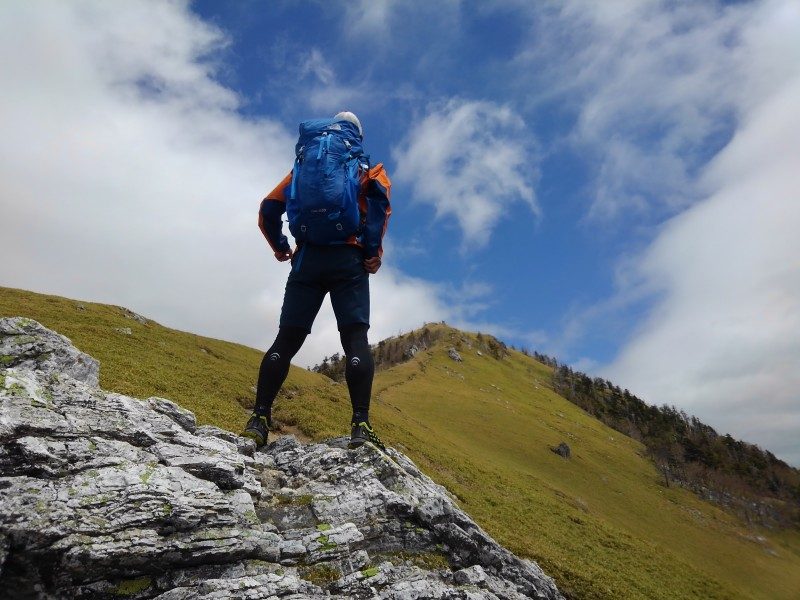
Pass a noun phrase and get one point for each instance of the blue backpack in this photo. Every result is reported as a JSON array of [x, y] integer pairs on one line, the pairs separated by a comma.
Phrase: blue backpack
[[322, 207]]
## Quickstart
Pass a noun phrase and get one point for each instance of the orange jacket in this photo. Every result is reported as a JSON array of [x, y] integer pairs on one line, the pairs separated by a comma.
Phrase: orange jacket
[[373, 204]]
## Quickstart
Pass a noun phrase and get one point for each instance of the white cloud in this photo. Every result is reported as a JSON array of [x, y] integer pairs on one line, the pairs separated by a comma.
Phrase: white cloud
[[723, 340], [316, 81], [368, 17], [470, 161], [657, 88], [336, 97], [315, 64], [127, 176]]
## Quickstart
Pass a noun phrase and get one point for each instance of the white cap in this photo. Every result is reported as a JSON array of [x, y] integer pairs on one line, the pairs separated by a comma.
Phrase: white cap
[[348, 116]]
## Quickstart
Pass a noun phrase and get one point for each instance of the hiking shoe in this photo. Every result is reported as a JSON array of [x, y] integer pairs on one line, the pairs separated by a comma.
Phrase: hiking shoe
[[257, 429], [362, 432]]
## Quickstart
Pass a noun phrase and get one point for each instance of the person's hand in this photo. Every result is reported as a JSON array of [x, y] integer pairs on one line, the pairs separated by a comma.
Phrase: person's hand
[[371, 265], [284, 256]]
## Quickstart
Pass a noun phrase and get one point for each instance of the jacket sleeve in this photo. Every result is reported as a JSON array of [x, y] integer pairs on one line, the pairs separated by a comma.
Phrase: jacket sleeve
[[378, 210], [269, 217]]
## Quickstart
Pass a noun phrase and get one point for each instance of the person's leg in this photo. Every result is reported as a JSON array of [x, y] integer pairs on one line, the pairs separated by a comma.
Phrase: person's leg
[[359, 369], [301, 303], [349, 287], [275, 367]]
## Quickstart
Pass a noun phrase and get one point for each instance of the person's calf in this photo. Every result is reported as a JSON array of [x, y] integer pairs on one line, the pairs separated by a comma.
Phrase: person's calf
[[359, 369], [275, 367]]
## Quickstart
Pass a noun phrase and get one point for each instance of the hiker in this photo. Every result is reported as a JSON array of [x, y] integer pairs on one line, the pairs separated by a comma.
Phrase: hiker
[[338, 209]]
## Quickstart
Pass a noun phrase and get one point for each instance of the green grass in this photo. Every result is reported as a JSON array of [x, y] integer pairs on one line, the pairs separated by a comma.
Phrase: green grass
[[601, 523], [321, 574], [131, 587]]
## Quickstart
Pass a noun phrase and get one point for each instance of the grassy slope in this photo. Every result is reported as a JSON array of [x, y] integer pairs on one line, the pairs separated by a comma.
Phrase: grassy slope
[[601, 523]]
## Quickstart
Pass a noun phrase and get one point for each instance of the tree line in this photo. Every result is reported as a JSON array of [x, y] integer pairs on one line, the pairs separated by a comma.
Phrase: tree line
[[386, 353], [395, 350], [736, 474]]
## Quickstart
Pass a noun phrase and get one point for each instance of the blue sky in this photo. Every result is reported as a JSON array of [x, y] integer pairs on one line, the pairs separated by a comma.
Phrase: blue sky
[[610, 183]]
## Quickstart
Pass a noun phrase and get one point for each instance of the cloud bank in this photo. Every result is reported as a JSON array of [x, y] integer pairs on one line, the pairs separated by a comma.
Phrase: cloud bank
[[724, 340]]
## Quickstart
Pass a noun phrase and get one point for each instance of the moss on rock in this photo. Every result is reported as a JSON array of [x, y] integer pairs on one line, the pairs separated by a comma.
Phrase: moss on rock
[[131, 587], [370, 572]]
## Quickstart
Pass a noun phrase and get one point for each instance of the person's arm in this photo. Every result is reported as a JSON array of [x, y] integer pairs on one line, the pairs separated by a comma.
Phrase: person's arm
[[379, 209], [269, 219]]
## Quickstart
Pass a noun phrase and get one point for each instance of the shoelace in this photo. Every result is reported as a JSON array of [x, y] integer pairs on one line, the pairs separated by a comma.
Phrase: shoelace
[[372, 436]]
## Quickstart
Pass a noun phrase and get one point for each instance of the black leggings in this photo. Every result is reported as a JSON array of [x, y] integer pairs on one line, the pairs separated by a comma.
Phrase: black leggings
[[359, 371]]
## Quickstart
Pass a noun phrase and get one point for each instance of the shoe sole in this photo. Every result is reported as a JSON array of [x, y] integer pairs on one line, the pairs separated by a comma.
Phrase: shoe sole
[[353, 446]]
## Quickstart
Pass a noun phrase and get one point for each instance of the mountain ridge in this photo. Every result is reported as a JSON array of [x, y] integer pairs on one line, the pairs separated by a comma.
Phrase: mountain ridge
[[736, 475]]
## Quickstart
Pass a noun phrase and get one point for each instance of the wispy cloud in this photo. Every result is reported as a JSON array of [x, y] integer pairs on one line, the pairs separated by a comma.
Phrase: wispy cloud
[[310, 78], [471, 161], [368, 17], [654, 88], [379, 20], [316, 65]]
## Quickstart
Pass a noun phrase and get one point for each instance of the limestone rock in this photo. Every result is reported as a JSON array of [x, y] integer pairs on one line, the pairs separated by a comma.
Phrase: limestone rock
[[26, 344], [103, 496], [471, 575], [129, 314], [180, 415], [453, 353]]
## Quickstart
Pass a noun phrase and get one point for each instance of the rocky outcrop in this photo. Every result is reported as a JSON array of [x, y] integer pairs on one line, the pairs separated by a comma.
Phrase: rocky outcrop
[[106, 496]]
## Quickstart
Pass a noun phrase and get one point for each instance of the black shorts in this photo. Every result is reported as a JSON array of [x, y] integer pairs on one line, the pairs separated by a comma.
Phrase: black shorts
[[317, 270]]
